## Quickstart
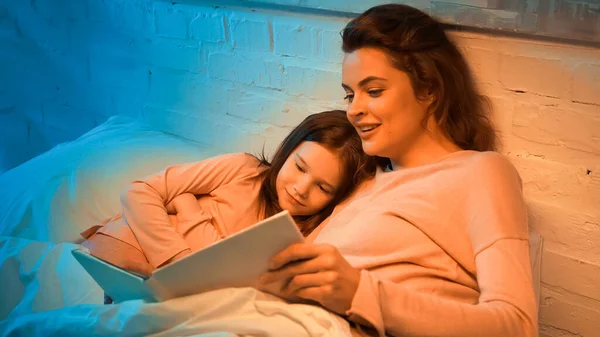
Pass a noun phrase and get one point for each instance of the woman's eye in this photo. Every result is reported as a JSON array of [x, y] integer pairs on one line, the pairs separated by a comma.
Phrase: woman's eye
[[375, 92], [349, 98], [299, 168]]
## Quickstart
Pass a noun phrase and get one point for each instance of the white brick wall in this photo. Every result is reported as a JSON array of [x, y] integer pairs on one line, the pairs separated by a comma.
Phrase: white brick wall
[[534, 74], [236, 79], [585, 83], [253, 35]]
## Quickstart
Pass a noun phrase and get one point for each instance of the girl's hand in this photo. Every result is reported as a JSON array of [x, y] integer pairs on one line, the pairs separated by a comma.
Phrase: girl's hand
[[314, 272], [184, 203]]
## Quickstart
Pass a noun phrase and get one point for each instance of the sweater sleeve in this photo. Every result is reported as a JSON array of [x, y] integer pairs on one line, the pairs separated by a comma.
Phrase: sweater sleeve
[[497, 228], [144, 201]]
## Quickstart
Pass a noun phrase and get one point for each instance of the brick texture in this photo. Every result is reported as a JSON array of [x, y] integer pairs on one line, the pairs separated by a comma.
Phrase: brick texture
[[257, 72], [295, 40], [533, 74], [586, 84], [169, 21], [251, 35], [205, 27]]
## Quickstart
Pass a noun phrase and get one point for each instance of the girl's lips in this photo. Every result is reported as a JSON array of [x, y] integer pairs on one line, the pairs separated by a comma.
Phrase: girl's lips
[[294, 200]]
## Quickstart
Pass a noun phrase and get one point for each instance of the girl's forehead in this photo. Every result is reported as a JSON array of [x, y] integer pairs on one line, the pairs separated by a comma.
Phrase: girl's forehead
[[325, 163]]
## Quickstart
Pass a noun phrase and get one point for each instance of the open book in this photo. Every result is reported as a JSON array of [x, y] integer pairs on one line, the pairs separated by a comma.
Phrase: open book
[[236, 261]]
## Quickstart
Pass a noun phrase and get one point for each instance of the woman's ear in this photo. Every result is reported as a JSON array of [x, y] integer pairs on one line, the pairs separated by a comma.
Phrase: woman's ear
[[426, 99], [429, 95], [425, 95]]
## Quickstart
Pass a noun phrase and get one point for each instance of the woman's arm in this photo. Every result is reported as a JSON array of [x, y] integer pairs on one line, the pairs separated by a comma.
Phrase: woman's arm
[[144, 201], [497, 228], [506, 306]]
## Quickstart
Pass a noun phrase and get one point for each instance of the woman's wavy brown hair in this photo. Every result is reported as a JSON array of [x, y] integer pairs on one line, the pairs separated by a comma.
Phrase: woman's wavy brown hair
[[332, 130], [417, 44]]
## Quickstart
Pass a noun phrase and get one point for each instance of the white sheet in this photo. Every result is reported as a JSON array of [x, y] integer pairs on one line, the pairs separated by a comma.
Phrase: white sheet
[[60, 193], [40, 276], [46, 293]]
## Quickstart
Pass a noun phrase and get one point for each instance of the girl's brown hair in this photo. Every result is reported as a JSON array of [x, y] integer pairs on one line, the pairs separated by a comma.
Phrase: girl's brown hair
[[417, 44], [332, 130]]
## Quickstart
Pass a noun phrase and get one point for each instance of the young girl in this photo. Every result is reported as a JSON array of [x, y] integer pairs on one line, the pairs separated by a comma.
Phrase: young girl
[[187, 207]]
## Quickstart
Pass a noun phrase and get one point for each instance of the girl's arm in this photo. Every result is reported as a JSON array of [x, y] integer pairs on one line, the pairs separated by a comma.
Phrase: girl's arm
[[144, 201], [184, 203]]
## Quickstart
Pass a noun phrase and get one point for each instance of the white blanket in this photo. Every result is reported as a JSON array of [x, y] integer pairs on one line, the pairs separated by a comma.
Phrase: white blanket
[[46, 293]]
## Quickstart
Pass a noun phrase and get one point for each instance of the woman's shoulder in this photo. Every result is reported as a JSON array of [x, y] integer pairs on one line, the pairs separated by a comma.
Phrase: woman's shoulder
[[490, 165]]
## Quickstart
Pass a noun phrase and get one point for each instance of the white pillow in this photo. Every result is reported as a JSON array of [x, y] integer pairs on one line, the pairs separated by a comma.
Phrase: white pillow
[[75, 185]]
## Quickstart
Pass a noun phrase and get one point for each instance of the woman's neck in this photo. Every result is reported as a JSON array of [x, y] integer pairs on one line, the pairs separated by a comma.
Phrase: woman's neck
[[429, 148]]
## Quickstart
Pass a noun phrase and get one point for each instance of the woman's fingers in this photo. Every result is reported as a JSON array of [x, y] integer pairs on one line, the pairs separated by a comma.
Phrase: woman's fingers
[[295, 252], [331, 289], [290, 270], [303, 261], [303, 281], [316, 294], [313, 272]]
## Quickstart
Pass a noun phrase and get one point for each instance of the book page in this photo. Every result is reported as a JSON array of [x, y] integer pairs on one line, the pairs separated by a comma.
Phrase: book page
[[236, 261], [119, 284]]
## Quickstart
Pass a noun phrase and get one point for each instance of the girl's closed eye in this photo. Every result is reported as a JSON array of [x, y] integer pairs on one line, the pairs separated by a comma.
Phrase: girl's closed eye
[[349, 97], [300, 168], [324, 189]]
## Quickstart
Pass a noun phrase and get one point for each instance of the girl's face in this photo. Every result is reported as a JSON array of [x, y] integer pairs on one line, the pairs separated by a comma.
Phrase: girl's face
[[382, 105], [308, 179]]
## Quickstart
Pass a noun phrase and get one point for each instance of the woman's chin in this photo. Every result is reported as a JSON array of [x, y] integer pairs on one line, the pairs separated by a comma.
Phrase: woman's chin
[[371, 149]]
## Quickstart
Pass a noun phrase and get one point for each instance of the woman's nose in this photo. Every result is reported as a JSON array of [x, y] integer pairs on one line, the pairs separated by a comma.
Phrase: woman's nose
[[355, 109]]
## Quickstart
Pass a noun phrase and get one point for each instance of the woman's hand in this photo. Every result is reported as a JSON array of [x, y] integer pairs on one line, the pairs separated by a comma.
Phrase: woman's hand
[[316, 272]]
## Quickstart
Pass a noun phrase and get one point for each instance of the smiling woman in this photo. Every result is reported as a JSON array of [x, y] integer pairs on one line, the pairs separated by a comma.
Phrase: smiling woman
[[436, 244], [393, 126]]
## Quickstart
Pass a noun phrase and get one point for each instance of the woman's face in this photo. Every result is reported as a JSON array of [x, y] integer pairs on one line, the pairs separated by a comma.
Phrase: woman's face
[[308, 179], [382, 104]]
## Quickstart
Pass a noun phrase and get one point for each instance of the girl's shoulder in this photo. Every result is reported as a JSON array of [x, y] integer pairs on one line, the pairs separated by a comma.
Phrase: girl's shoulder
[[236, 165], [238, 159]]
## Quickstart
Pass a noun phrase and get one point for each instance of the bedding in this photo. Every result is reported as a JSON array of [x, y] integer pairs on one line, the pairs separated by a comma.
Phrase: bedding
[[53, 296], [46, 202], [58, 194]]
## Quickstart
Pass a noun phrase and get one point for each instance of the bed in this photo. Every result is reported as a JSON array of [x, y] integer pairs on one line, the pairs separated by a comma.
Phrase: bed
[[46, 202]]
